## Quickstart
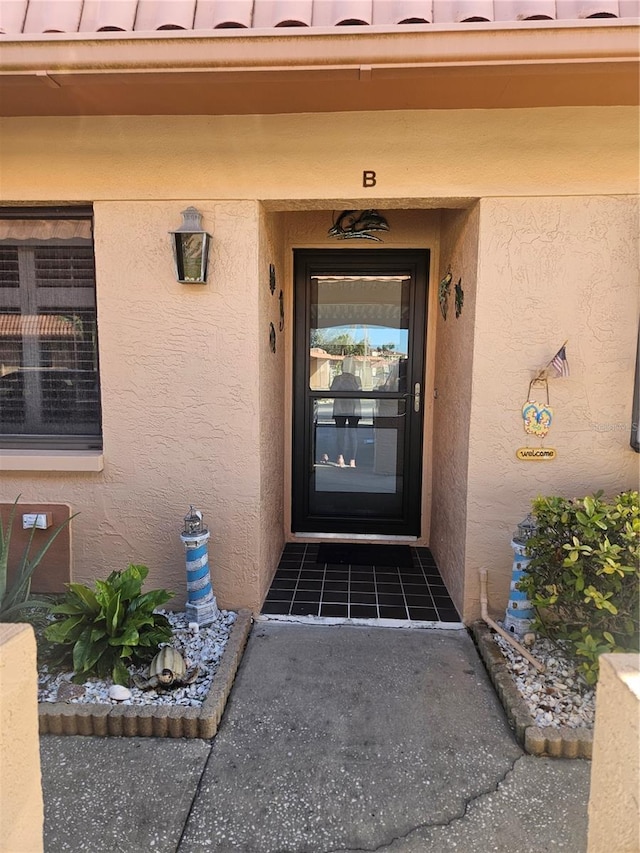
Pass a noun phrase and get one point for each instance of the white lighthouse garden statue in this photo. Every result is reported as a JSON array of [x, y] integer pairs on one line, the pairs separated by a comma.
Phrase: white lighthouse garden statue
[[201, 606], [519, 615]]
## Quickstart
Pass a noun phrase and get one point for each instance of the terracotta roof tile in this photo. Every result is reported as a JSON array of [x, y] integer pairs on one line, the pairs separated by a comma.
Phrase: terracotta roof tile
[[168, 15], [98, 15], [332, 13], [278, 13], [525, 10], [44, 229], [38, 325], [459, 11], [12, 16], [402, 12], [211, 14], [32, 17], [46, 17], [587, 8]]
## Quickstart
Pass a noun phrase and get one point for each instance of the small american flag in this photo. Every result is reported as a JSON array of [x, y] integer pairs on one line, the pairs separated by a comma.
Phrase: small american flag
[[559, 362]]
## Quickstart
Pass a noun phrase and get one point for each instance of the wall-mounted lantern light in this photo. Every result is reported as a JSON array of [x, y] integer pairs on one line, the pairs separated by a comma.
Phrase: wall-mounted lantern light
[[190, 246]]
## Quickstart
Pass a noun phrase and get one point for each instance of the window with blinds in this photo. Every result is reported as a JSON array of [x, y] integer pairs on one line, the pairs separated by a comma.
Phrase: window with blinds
[[49, 381]]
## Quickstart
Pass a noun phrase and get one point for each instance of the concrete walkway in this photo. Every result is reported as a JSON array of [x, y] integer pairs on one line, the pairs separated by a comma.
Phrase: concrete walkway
[[335, 740]]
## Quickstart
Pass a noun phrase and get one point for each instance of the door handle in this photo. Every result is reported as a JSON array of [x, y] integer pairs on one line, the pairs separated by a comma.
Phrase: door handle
[[416, 397]]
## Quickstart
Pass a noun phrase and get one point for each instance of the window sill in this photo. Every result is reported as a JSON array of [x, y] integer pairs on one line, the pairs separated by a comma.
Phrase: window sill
[[51, 460]]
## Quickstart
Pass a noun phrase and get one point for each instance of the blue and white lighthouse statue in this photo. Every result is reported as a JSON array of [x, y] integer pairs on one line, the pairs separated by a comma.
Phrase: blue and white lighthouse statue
[[519, 610], [201, 604]]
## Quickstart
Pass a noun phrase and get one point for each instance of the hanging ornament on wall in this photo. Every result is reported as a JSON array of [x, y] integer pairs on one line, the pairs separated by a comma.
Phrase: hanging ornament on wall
[[272, 279], [537, 416], [443, 293], [272, 337], [281, 300], [459, 298]]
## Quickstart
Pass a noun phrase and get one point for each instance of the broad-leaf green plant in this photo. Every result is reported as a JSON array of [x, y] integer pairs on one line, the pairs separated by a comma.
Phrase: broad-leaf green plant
[[16, 603], [104, 630], [584, 578]]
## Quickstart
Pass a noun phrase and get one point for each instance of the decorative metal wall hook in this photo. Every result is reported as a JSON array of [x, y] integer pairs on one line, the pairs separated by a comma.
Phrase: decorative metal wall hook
[[539, 381], [358, 224]]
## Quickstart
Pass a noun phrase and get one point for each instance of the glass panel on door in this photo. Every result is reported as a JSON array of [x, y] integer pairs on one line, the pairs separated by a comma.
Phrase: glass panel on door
[[359, 340], [368, 439]]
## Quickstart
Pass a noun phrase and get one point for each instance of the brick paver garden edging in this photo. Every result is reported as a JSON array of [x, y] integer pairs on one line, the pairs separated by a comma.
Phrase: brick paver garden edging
[[67, 718], [558, 742]]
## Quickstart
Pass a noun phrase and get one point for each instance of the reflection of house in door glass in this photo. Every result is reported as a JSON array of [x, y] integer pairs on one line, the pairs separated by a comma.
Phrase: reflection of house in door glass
[[365, 317], [359, 327]]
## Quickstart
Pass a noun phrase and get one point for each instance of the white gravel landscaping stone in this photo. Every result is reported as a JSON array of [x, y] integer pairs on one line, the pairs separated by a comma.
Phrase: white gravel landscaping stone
[[200, 646], [556, 697]]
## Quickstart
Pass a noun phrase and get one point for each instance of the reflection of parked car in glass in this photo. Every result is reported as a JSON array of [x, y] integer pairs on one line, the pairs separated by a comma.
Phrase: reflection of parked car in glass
[[31, 398]]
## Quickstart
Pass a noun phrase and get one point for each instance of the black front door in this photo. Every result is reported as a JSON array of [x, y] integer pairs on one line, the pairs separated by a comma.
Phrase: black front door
[[360, 321]]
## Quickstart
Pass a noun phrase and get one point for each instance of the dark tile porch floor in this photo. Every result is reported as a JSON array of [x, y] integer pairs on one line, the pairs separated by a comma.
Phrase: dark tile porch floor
[[303, 587]]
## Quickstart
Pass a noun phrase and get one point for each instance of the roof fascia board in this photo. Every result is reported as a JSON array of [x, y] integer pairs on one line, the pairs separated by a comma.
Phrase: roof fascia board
[[562, 42]]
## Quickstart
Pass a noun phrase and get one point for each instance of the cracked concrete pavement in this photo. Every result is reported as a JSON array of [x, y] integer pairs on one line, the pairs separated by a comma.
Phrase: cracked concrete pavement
[[334, 740]]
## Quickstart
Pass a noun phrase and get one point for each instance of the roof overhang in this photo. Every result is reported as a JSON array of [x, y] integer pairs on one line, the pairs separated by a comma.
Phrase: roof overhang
[[531, 64]]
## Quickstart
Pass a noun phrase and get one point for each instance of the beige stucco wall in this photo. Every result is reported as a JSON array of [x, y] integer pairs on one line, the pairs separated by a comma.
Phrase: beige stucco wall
[[550, 269], [197, 410], [180, 369], [270, 396], [452, 398], [614, 810], [416, 154], [180, 377], [21, 808]]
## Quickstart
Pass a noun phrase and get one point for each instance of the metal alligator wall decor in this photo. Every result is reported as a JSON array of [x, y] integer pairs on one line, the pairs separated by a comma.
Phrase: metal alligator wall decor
[[358, 224]]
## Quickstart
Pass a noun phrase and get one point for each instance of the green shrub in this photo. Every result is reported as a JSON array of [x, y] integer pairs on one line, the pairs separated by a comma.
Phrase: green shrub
[[584, 578], [16, 603], [106, 629]]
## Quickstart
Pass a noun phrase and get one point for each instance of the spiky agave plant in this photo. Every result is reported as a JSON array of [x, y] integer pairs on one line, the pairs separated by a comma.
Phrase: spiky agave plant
[[16, 603]]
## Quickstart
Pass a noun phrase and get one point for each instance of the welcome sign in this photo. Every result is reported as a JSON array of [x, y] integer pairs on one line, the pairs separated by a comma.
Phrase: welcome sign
[[536, 454]]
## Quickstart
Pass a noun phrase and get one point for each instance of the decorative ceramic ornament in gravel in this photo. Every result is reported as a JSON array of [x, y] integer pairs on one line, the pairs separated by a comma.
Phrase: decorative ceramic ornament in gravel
[[552, 712], [193, 710]]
